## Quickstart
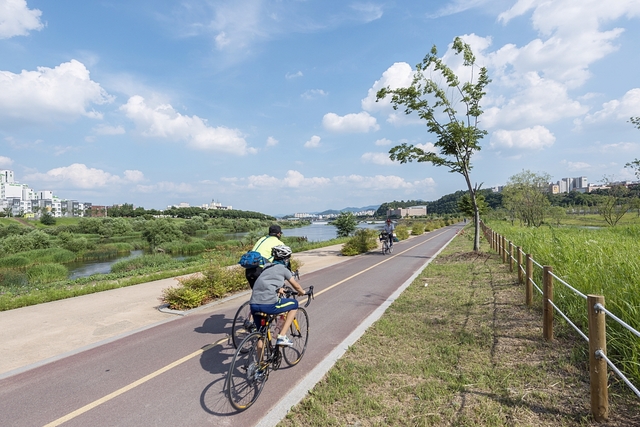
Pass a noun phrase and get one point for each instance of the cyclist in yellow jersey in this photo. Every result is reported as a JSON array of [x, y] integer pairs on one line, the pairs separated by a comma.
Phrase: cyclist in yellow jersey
[[264, 245]]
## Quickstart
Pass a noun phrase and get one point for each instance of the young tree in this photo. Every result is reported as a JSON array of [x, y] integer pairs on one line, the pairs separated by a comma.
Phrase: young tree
[[158, 231], [615, 204], [458, 135], [345, 223]]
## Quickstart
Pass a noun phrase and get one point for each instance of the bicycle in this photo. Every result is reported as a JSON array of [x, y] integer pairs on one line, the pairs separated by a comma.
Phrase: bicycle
[[257, 354], [242, 324], [386, 247]]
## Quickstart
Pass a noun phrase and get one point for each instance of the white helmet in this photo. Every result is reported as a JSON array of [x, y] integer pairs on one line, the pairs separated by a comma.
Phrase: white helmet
[[281, 252]]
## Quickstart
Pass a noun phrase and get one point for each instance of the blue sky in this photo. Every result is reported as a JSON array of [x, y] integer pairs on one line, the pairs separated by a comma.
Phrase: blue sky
[[269, 105]]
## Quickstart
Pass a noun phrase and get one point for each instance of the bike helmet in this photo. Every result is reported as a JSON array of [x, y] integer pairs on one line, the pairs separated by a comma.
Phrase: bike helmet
[[388, 220], [281, 252]]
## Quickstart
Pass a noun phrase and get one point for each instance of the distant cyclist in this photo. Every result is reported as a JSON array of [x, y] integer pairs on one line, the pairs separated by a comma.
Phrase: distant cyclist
[[264, 245], [266, 296], [388, 230]]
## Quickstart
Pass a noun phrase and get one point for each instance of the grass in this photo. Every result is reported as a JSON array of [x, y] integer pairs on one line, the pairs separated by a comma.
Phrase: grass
[[459, 348]]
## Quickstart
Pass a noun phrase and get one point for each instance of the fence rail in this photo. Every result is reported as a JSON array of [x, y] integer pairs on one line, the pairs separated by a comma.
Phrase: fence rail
[[596, 311]]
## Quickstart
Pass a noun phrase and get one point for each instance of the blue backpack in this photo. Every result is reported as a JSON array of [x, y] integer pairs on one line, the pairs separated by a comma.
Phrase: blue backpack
[[253, 259]]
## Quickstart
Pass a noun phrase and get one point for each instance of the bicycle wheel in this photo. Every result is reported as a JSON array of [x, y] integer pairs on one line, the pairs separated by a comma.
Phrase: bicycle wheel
[[299, 335], [242, 324], [247, 373]]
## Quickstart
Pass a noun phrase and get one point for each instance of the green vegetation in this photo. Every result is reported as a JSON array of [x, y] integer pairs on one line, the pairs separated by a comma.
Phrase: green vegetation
[[345, 223], [363, 241], [601, 261], [458, 348]]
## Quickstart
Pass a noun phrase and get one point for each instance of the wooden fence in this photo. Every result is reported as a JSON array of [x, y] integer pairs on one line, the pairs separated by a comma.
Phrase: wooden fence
[[596, 337]]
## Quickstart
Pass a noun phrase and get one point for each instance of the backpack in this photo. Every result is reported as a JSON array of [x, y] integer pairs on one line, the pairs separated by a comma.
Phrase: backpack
[[253, 259]]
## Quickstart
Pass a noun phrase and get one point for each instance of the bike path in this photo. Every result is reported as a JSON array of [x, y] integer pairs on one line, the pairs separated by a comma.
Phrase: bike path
[[173, 374]]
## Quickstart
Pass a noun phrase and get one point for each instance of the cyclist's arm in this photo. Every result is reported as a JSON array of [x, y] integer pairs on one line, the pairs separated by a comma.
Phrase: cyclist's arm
[[293, 282]]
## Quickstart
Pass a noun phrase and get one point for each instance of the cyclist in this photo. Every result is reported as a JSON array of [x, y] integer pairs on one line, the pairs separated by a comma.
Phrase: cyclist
[[264, 245], [388, 230], [267, 291]]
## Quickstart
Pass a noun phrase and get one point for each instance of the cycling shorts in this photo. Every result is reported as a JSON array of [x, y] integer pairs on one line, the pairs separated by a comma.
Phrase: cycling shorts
[[281, 306]]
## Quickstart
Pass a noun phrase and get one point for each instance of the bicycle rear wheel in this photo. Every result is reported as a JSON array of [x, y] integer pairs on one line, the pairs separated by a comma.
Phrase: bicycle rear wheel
[[242, 324], [299, 334], [247, 373]]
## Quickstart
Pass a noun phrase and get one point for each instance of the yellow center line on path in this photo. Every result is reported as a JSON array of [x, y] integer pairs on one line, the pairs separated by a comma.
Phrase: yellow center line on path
[[160, 371], [133, 385], [373, 266]]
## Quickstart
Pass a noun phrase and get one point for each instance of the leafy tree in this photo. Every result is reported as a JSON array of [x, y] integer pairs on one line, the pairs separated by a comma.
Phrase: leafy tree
[[525, 195], [457, 138], [47, 219], [557, 213], [158, 231], [345, 223], [615, 204], [465, 206]]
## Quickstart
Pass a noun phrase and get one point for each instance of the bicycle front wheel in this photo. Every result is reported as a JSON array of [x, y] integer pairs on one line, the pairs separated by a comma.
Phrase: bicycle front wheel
[[242, 324], [247, 372], [299, 335]]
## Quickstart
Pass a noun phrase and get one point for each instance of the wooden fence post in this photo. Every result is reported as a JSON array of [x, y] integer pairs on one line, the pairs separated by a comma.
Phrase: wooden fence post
[[597, 365], [504, 249], [547, 308], [529, 281], [510, 256], [520, 273]]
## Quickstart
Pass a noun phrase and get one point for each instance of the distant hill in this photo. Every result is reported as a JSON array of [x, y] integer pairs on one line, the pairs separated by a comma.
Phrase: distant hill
[[350, 209]]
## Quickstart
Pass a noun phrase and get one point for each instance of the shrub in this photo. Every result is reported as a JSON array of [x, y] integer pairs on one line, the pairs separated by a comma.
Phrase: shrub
[[141, 262], [14, 261], [12, 281], [402, 232], [417, 228], [363, 241]]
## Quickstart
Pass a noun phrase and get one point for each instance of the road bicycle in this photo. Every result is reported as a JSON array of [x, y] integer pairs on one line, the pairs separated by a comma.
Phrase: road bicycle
[[257, 355], [386, 247], [242, 324]]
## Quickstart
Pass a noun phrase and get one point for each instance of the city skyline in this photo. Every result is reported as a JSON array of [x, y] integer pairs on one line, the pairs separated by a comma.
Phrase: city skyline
[[270, 106]]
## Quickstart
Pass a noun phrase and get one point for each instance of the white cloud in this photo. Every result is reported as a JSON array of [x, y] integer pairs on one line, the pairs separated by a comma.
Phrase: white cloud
[[382, 182], [383, 141], [313, 142], [50, 94], [165, 187], [16, 19], [79, 175], [535, 101], [575, 166], [293, 179], [5, 162], [427, 148], [352, 123], [103, 129], [290, 76], [377, 158], [368, 11], [398, 75], [162, 121], [535, 138], [314, 94], [272, 142], [618, 147], [623, 109]]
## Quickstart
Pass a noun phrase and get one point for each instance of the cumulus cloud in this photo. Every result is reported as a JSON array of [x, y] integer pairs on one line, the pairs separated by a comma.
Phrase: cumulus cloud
[[293, 179], [65, 92], [398, 75], [162, 121], [290, 76], [314, 94], [16, 19], [575, 166], [351, 123], [377, 158], [79, 175], [272, 142], [313, 142], [622, 109], [383, 141], [5, 162], [166, 187], [428, 147], [535, 138]]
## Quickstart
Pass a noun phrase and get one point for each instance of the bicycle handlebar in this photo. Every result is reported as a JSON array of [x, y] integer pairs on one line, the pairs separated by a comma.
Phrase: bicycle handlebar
[[290, 292]]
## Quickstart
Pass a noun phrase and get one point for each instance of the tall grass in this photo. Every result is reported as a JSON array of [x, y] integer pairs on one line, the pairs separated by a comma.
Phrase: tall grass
[[603, 261], [46, 273]]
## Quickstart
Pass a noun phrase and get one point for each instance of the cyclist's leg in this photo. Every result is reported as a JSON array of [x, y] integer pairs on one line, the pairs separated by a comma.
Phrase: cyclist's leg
[[299, 335], [242, 324]]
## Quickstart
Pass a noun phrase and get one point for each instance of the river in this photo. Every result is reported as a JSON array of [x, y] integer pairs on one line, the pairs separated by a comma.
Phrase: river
[[315, 232]]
